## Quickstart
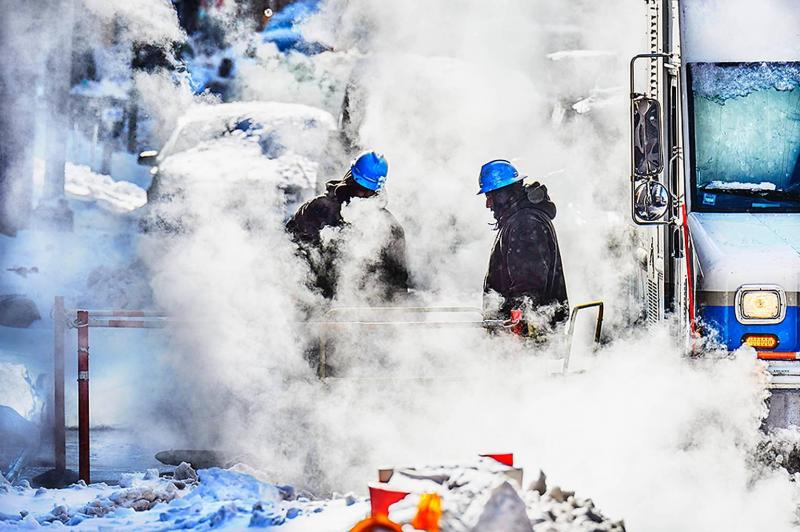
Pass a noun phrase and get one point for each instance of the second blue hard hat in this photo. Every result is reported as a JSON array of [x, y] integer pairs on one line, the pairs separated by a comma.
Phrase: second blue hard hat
[[370, 170], [497, 174]]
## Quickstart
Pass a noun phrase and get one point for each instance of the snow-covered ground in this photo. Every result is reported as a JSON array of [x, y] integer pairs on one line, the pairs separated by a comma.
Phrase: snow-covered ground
[[219, 499], [213, 498], [482, 496]]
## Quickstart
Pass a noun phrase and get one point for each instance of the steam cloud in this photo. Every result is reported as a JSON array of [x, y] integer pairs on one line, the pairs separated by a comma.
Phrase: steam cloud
[[660, 441]]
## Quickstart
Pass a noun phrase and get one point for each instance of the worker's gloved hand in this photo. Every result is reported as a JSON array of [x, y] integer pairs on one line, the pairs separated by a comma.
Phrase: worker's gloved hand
[[517, 325]]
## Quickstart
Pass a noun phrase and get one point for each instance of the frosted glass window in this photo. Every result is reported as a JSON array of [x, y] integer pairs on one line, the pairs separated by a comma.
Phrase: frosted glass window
[[746, 130]]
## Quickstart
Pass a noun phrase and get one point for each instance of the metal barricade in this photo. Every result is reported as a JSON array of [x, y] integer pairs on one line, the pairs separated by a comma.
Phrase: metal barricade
[[84, 320], [148, 319], [326, 324]]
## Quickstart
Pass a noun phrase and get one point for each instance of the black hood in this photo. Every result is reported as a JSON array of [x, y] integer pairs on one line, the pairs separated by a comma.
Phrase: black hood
[[509, 200], [540, 199]]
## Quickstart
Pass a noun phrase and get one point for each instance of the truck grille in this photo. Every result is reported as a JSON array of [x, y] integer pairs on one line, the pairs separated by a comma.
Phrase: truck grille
[[652, 301]]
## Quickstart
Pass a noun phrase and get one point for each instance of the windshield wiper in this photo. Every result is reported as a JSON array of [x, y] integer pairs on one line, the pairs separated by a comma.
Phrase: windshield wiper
[[769, 195]]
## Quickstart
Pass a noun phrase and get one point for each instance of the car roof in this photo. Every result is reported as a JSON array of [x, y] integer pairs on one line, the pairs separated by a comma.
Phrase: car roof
[[262, 112]]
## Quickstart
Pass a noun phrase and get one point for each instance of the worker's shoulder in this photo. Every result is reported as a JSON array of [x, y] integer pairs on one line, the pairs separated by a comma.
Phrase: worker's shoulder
[[323, 205], [394, 223]]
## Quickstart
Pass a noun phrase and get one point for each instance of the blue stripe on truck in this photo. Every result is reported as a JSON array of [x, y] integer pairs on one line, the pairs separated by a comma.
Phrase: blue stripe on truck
[[723, 320]]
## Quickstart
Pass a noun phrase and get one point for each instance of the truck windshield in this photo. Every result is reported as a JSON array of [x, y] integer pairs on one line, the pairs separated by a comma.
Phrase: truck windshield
[[745, 132]]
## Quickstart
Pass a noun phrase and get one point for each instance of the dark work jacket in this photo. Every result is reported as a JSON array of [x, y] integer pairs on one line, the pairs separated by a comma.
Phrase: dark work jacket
[[326, 211], [525, 262]]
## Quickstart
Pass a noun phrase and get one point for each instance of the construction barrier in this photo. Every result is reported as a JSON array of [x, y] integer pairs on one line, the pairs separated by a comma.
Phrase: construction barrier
[[147, 319], [379, 321], [83, 321]]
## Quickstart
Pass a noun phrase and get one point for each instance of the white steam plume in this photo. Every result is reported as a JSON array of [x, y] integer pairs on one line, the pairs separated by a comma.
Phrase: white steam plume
[[658, 440]]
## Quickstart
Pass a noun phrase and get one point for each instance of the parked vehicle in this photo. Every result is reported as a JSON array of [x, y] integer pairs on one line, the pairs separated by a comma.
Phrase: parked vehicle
[[715, 183], [218, 155]]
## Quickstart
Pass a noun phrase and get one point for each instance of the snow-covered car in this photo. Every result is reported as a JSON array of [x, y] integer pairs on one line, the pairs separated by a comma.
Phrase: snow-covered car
[[265, 155]]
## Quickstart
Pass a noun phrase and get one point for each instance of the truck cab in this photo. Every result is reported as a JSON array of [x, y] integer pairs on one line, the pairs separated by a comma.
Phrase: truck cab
[[715, 185]]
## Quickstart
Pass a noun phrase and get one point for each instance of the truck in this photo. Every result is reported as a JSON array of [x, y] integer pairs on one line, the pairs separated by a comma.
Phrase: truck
[[715, 182]]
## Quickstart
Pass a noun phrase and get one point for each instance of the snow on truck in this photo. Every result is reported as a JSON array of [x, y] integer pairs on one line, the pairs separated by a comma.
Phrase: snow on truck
[[715, 184]]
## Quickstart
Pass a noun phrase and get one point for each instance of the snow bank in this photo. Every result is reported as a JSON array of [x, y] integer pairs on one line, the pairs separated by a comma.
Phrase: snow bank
[[118, 196], [220, 499], [481, 496]]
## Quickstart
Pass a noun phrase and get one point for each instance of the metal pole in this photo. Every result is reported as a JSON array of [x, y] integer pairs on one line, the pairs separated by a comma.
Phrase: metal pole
[[59, 423], [83, 395]]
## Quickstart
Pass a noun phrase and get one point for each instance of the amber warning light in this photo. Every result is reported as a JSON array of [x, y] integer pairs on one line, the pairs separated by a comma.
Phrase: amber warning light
[[761, 341]]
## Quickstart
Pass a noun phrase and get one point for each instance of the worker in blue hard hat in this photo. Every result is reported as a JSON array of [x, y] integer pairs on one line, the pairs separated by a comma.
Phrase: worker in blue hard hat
[[525, 268], [364, 179]]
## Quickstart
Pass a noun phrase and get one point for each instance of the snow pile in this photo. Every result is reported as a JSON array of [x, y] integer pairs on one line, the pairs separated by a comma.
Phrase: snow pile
[[489, 496], [482, 496], [118, 196], [736, 185], [212, 498]]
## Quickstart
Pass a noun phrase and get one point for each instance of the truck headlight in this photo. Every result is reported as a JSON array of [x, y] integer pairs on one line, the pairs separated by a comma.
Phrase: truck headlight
[[760, 304]]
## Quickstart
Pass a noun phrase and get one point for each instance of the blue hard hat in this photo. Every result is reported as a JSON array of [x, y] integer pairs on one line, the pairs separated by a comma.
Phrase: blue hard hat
[[497, 174], [370, 170]]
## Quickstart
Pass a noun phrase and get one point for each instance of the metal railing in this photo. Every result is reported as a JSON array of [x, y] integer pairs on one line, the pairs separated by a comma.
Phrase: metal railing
[[150, 319], [325, 324], [83, 321]]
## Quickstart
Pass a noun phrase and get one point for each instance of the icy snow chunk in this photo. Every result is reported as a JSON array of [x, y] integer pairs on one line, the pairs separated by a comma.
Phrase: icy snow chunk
[[126, 480], [265, 517], [222, 484], [184, 471]]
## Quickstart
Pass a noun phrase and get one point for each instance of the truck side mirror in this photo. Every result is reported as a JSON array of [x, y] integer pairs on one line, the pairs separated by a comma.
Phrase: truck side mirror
[[651, 201], [646, 158], [148, 158]]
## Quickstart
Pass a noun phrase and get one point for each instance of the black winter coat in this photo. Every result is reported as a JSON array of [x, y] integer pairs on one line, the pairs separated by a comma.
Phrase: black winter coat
[[326, 211], [526, 262]]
